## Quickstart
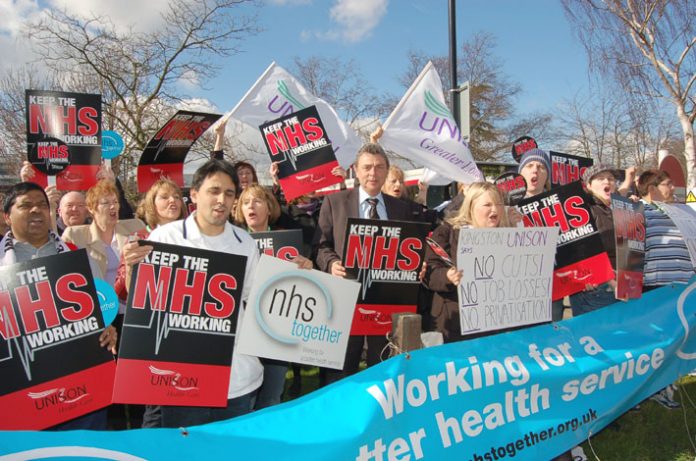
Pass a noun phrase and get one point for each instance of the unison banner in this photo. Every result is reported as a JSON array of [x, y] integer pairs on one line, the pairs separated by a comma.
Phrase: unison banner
[[51, 364], [179, 328], [64, 137], [421, 128], [529, 394], [386, 258], [165, 153], [277, 93]]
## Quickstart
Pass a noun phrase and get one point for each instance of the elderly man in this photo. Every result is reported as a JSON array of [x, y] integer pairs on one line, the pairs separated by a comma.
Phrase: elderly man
[[27, 213], [72, 210], [366, 201]]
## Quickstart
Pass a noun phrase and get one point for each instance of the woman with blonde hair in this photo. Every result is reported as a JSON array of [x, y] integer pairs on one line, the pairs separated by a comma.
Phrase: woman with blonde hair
[[162, 204], [258, 211], [482, 208]]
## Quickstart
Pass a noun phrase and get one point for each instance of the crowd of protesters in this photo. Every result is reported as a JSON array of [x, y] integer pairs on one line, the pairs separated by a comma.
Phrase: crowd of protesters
[[231, 205]]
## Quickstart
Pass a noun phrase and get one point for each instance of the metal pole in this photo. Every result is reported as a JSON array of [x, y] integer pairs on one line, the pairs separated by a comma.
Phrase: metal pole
[[454, 93]]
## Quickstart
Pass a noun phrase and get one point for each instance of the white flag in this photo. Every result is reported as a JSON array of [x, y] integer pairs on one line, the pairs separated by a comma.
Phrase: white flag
[[277, 93], [422, 128]]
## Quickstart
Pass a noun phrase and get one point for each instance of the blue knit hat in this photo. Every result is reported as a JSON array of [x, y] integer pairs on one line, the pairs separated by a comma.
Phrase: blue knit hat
[[535, 155]]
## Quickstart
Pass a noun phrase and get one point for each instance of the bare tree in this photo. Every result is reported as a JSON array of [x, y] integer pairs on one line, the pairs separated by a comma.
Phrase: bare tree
[[137, 72], [13, 84], [491, 92], [339, 82], [648, 47]]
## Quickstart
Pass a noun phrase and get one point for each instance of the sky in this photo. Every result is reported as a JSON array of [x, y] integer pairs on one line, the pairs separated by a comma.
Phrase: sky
[[534, 41], [535, 44]]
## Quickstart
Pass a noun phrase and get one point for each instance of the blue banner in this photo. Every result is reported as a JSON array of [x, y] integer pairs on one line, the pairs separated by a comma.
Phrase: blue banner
[[526, 395]]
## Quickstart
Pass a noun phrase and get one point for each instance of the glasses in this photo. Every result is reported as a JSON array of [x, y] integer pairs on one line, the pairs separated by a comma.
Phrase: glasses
[[73, 207], [668, 183]]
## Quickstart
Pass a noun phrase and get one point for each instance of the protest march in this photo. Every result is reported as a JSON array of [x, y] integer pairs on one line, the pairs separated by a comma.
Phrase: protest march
[[319, 302]]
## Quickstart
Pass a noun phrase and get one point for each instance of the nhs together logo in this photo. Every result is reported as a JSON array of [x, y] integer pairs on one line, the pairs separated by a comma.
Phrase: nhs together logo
[[294, 308]]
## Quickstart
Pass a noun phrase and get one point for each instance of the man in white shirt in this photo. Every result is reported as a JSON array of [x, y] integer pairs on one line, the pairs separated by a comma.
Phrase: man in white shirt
[[213, 190]]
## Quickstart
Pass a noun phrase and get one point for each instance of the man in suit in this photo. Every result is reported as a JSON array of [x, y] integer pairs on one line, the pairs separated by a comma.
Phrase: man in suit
[[366, 201]]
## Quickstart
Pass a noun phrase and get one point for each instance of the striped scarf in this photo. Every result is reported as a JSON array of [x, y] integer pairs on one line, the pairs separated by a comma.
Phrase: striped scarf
[[7, 251]]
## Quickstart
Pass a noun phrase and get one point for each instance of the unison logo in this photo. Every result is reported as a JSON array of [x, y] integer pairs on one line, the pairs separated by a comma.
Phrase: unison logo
[[292, 104], [437, 118], [57, 396], [170, 378], [294, 307]]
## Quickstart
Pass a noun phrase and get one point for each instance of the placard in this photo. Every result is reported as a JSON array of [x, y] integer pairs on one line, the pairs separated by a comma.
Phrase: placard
[[283, 244], [507, 276], [300, 145], [566, 168], [629, 235], [684, 217], [179, 328], [386, 258], [301, 316], [512, 186], [165, 153], [580, 255], [64, 137], [52, 367], [522, 145]]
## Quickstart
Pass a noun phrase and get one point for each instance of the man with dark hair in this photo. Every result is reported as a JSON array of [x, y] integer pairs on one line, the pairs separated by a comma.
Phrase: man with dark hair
[[655, 186], [365, 201], [213, 190], [27, 213]]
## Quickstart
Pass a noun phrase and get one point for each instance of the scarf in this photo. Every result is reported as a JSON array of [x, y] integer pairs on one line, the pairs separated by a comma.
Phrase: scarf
[[7, 251]]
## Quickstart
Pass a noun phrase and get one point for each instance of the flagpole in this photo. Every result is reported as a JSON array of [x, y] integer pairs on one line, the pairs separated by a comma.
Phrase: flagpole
[[406, 96], [454, 93], [253, 87]]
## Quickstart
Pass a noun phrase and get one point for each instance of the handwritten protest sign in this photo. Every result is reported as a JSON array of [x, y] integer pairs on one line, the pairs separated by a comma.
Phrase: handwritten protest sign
[[300, 145], [164, 154], [580, 256], [64, 137], [51, 364], [179, 328], [506, 278], [386, 258], [629, 234], [302, 316]]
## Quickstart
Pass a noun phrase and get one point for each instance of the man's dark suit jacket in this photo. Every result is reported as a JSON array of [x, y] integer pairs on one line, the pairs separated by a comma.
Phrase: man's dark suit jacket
[[333, 221]]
